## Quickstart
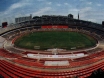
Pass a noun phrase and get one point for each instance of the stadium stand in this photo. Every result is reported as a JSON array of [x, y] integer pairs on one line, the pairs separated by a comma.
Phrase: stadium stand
[[14, 62]]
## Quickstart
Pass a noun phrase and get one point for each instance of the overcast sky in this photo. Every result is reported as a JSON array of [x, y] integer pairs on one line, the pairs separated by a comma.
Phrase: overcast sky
[[91, 10]]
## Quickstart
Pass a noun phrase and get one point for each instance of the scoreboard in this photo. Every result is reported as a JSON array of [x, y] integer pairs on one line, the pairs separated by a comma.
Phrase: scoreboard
[[4, 24]]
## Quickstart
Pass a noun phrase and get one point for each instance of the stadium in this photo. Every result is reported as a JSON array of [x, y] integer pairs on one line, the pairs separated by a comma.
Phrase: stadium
[[52, 46]]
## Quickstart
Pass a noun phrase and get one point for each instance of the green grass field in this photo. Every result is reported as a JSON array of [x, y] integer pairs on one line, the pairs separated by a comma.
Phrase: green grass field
[[55, 39]]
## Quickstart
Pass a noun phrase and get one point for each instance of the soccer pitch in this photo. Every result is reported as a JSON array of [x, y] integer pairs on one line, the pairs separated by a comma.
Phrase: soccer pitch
[[55, 39]]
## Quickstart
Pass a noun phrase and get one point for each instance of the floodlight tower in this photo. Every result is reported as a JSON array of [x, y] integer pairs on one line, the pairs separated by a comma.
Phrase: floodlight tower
[[78, 15]]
